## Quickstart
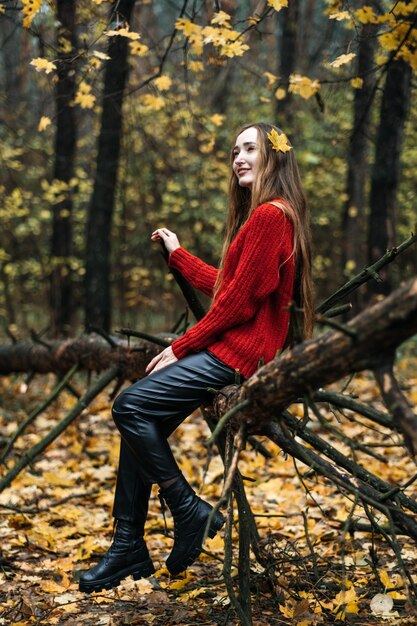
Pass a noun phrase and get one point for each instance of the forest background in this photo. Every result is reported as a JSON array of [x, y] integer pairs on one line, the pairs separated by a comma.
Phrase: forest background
[[106, 137], [118, 118]]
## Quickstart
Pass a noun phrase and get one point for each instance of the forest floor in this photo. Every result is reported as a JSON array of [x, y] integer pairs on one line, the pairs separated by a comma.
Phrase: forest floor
[[56, 521]]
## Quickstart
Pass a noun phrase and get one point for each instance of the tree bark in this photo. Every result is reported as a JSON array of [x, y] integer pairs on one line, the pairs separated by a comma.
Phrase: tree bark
[[288, 59], [357, 158], [100, 214], [377, 332], [65, 140], [386, 168], [368, 339]]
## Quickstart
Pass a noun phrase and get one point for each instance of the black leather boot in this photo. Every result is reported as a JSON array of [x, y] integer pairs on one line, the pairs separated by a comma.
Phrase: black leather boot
[[190, 515], [128, 555]]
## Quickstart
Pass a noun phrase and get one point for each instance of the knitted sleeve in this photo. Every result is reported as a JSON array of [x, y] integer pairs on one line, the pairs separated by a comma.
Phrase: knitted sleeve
[[267, 244], [201, 275]]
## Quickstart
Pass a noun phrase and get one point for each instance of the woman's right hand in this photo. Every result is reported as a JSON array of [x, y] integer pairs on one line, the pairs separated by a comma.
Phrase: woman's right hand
[[169, 238]]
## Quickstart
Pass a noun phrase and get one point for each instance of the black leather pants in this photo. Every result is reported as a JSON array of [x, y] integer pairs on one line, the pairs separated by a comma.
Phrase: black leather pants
[[146, 413]]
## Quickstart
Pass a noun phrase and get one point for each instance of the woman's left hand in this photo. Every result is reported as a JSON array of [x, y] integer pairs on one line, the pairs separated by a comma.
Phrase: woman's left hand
[[161, 360]]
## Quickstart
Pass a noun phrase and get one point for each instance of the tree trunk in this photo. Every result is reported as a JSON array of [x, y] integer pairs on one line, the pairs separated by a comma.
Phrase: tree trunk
[[288, 59], [65, 140], [357, 158], [97, 279], [370, 336], [386, 168]]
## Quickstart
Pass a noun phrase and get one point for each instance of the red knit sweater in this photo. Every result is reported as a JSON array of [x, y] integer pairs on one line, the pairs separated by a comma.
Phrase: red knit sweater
[[248, 321]]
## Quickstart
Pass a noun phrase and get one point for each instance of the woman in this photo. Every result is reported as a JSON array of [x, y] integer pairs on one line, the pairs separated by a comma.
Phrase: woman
[[265, 264]]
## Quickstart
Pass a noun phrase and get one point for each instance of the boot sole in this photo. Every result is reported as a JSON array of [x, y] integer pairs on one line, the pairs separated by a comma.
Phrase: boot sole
[[196, 546], [140, 570]]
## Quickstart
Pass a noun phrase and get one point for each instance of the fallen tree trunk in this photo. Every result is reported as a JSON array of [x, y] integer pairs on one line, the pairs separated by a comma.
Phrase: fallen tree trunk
[[89, 352], [365, 343]]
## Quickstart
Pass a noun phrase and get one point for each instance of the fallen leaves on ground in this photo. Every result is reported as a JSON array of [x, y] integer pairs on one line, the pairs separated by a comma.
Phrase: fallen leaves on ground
[[56, 521]]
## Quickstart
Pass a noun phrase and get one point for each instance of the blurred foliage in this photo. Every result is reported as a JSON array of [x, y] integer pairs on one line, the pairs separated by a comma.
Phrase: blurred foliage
[[180, 116]]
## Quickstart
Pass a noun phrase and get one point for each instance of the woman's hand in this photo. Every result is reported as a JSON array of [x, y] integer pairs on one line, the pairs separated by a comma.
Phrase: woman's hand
[[161, 360], [169, 238]]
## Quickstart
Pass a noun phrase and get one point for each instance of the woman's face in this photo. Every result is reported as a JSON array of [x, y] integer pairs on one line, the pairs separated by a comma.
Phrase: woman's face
[[246, 157]]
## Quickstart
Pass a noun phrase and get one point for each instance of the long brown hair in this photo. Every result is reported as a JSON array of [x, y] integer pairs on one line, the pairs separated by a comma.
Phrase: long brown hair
[[278, 177]]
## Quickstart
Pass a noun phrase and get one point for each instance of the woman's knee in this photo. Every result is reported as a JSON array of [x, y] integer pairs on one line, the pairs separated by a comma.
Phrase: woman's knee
[[120, 407]]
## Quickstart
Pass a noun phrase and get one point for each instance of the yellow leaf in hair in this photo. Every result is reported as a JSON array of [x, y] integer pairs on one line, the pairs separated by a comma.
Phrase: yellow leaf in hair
[[279, 141]]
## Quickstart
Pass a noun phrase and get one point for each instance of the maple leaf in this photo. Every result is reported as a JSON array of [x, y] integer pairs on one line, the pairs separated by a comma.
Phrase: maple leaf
[[43, 123], [153, 103], [343, 59], [43, 65], [217, 119], [101, 55], [122, 32], [137, 48], [303, 86], [234, 49], [280, 93], [222, 18], [339, 15], [366, 15], [279, 141], [278, 4], [84, 96], [163, 83], [196, 66], [271, 78], [29, 10], [356, 82]]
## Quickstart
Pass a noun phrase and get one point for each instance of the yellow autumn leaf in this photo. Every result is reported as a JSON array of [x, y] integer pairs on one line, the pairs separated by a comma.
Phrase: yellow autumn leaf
[[43, 65], [163, 83], [43, 123], [278, 4], [234, 49], [222, 18], [137, 48], [279, 141], [50, 586], [84, 96], [280, 93], [366, 15], [357, 82], [271, 78], [217, 119], [152, 103], [101, 55], [196, 66], [343, 59], [122, 32], [187, 26], [30, 9], [339, 15], [183, 582], [346, 602], [303, 86]]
